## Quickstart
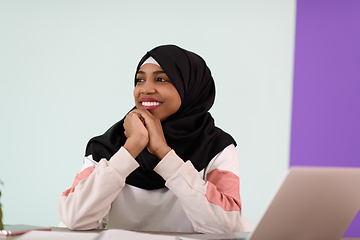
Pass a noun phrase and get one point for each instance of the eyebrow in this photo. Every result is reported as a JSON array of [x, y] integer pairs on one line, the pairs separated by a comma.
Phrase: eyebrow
[[156, 72]]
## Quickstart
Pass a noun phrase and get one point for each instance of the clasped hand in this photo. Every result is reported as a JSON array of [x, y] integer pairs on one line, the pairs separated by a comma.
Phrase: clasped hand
[[142, 130]]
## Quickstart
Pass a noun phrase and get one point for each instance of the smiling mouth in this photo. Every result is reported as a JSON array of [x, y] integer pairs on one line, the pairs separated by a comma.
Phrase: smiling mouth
[[150, 104]]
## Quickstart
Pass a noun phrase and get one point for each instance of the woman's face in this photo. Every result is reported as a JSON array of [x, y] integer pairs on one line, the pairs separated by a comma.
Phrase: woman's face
[[155, 92]]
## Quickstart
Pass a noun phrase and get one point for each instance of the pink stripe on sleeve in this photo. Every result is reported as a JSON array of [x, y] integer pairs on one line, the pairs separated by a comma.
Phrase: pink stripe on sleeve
[[223, 190], [83, 175]]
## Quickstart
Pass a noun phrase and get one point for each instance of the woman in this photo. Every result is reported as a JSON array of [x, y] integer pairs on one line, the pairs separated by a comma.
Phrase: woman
[[165, 166]]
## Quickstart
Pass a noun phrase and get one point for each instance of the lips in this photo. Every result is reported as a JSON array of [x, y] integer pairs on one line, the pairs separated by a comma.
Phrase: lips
[[150, 103]]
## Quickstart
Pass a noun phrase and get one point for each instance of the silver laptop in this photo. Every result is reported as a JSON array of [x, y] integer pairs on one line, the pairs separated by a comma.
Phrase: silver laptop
[[311, 203]]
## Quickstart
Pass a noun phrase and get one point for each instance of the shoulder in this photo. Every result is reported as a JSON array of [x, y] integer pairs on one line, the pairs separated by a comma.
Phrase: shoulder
[[226, 160], [88, 162]]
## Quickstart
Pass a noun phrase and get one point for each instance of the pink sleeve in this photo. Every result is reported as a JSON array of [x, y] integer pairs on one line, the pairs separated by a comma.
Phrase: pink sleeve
[[212, 204], [89, 199], [223, 190], [82, 176]]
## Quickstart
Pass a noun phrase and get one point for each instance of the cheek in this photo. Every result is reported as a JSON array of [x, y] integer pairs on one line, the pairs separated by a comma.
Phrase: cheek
[[175, 98], [136, 92], [178, 102]]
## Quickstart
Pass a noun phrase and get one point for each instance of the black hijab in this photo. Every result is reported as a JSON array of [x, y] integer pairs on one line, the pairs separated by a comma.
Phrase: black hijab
[[190, 131]]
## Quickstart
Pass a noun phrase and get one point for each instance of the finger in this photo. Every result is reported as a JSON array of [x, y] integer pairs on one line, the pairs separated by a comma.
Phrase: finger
[[143, 112], [133, 116], [139, 115], [142, 119], [145, 116]]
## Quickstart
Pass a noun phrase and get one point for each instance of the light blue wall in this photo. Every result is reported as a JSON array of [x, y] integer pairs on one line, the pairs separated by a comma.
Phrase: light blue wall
[[66, 74]]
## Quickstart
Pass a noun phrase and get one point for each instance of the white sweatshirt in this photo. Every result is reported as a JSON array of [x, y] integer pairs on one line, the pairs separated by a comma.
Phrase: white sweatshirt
[[207, 201]]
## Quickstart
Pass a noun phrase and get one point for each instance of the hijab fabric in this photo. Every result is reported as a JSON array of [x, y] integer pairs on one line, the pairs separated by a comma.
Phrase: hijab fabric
[[190, 132]]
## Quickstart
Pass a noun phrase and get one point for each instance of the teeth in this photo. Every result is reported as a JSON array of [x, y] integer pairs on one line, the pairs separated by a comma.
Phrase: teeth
[[150, 104]]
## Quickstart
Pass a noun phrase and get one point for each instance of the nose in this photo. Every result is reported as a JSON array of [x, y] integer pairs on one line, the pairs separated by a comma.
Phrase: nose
[[148, 88]]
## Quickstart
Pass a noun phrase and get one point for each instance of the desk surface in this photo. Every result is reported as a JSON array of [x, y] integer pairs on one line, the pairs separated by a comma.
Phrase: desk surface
[[97, 231]]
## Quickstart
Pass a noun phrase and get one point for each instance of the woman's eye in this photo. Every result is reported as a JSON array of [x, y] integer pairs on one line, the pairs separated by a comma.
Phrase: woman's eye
[[139, 80], [162, 80]]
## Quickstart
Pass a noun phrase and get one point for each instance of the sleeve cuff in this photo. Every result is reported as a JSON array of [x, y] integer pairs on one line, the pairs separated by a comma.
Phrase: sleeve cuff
[[123, 162], [169, 165]]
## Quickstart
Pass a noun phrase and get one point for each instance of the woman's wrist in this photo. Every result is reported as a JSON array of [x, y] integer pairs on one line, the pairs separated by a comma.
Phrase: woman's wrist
[[162, 151], [135, 146]]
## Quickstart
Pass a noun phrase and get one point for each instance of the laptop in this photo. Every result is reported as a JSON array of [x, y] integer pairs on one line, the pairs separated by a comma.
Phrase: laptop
[[311, 203]]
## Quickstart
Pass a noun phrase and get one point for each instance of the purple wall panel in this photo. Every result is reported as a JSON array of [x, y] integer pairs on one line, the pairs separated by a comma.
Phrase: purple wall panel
[[326, 96]]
